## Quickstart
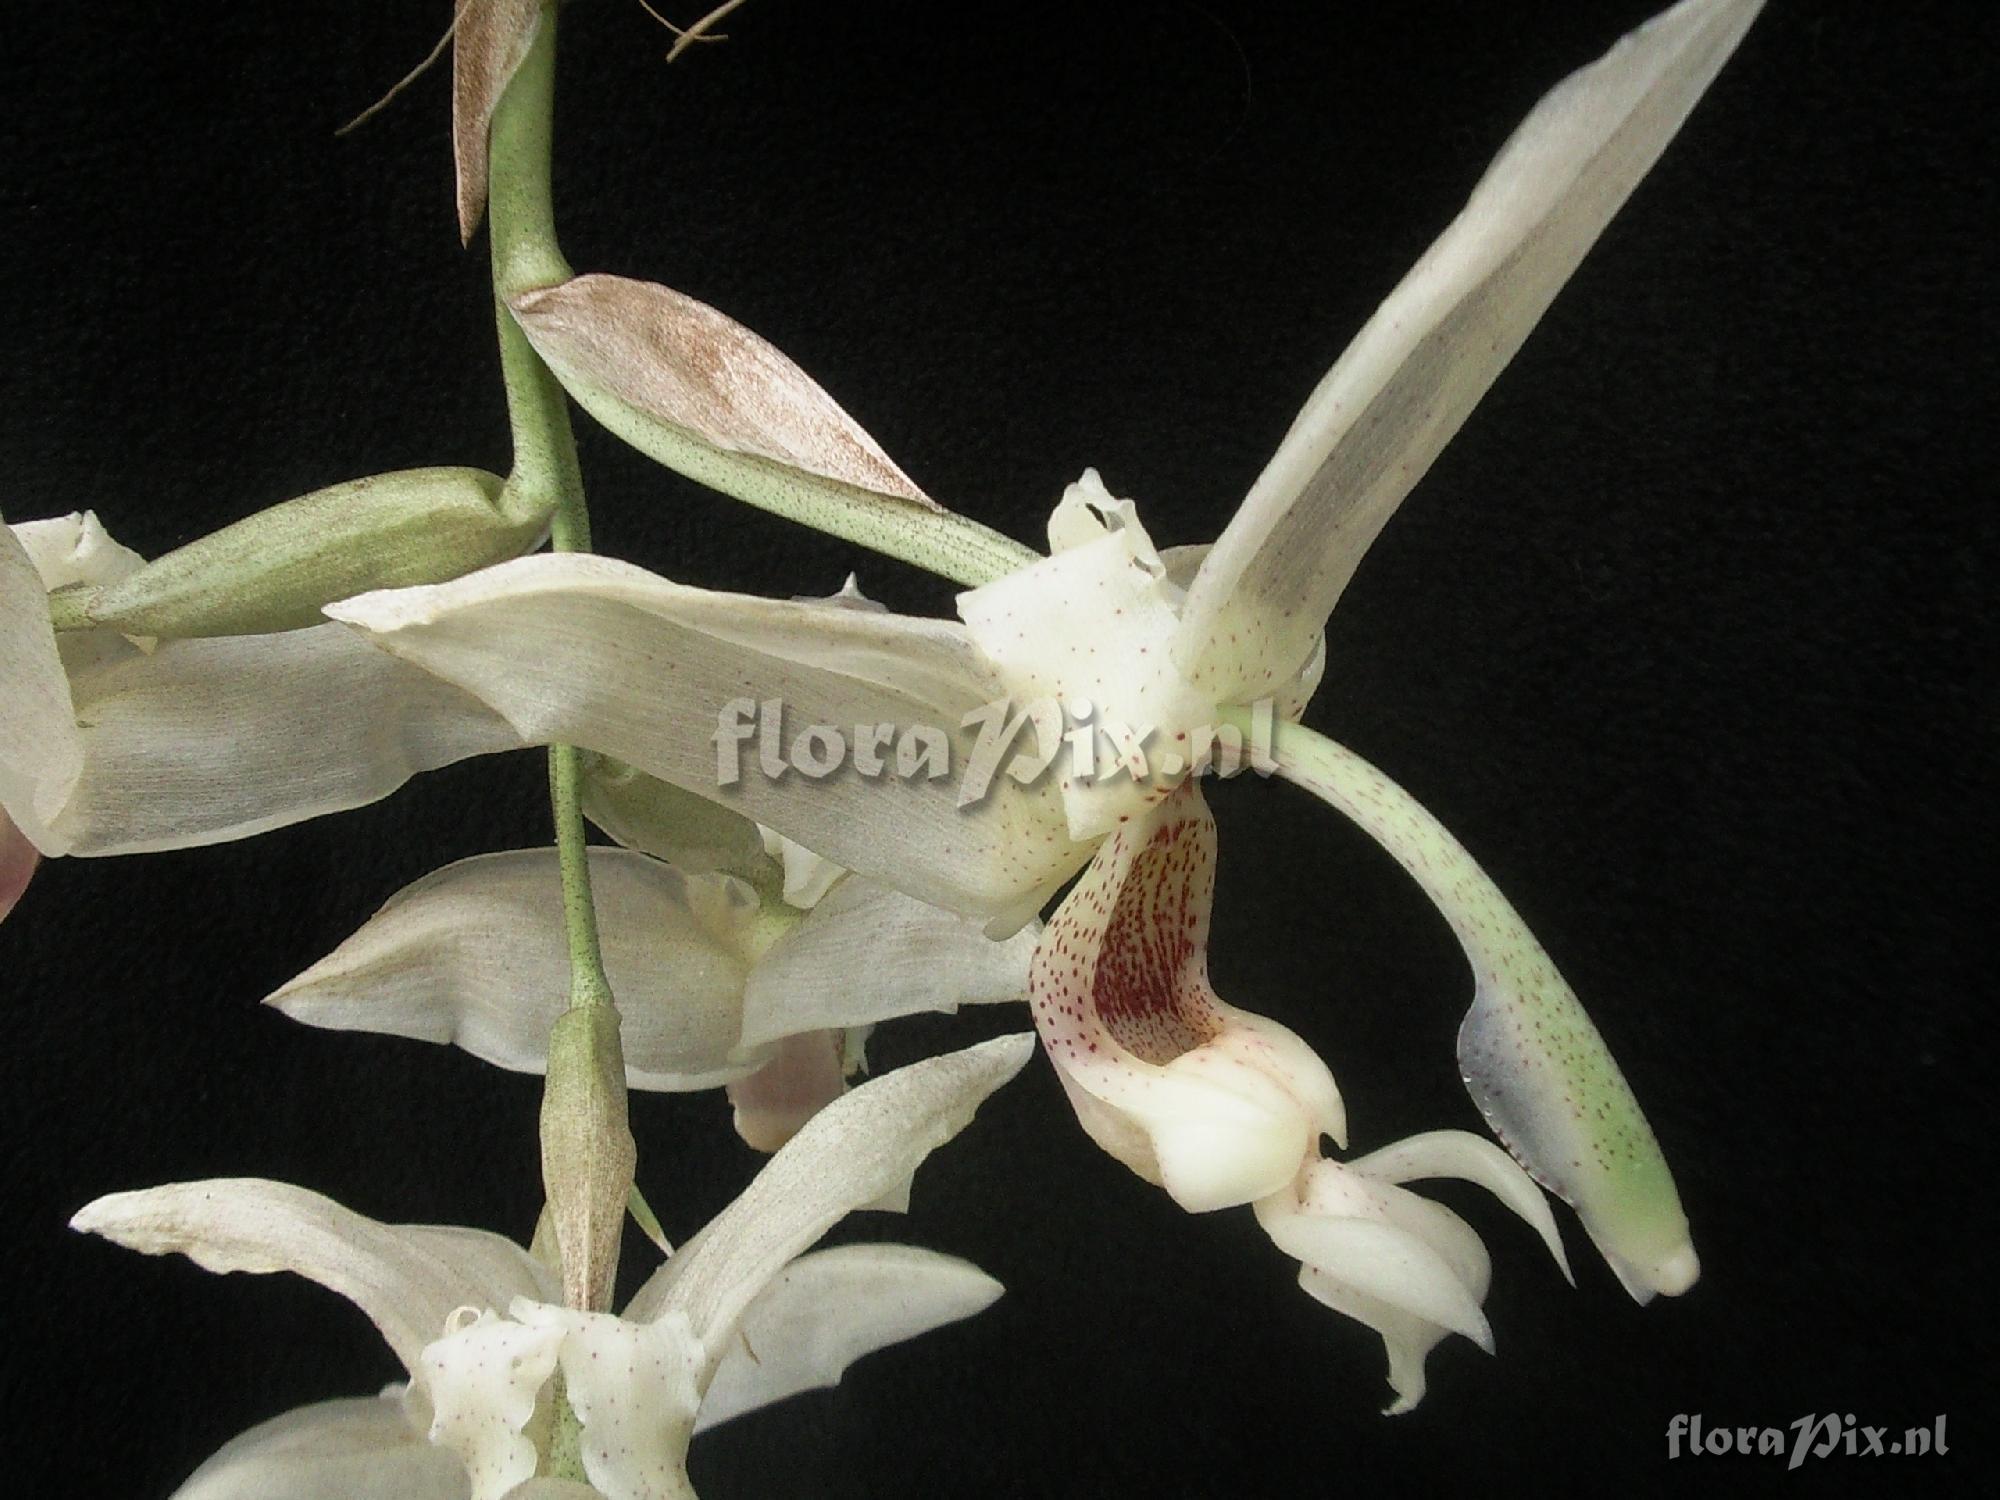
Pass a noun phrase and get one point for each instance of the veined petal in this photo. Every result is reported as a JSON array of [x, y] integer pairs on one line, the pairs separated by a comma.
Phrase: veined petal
[[408, 1278], [41, 753], [635, 1388], [1471, 1158], [475, 954], [490, 42], [828, 1309], [858, 1148], [867, 954], [587, 651], [1082, 636], [1217, 1105], [1533, 1062], [208, 740], [484, 1376], [1411, 377], [332, 1450]]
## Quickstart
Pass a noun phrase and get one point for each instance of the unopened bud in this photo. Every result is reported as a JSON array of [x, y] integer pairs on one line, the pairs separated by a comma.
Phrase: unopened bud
[[588, 1155]]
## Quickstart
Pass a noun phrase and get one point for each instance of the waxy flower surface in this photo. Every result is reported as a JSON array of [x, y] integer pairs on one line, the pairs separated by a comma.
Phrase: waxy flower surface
[[737, 1319], [1166, 649]]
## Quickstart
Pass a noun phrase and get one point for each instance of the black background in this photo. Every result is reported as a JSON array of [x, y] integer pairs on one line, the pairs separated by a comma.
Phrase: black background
[[1683, 637]]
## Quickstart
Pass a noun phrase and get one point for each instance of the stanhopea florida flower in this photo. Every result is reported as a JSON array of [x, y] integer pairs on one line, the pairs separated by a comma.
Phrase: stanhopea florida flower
[[720, 979], [734, 1321], [604, 655], [111, 746]]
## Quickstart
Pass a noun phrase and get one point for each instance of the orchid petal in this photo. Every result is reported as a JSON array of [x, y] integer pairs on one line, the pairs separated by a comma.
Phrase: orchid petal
[[1217, 1105], [803, 1076], [484, 1377], [1411, 377], [1471, 1158], [491, 40], [407, 1278], [41, 753], [591, 652], [475, 954], [826, 1310], [635, 1388], [867, 954], [858, 1148], [695, 390], [1533, 1062], [807, 876], [332, 1450]]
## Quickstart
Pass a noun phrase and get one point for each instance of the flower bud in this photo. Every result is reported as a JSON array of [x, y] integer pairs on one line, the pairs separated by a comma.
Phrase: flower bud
[[275, 570], [588, 1155]]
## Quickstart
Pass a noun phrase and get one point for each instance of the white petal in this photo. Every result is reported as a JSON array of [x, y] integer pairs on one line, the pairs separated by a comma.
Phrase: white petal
[[475, 954], [207, 740], [355, 1449], [1533, 1062], [853, 1151], [803, 1076], [407, 1278], [808, 876], [1411, 377], [867, 953], [76, 549], [597, 653], [41, 754], [826, 1310], [485, 1377], [1218, 1105], [1082, 637], [635, 1388], [1472, 1158]]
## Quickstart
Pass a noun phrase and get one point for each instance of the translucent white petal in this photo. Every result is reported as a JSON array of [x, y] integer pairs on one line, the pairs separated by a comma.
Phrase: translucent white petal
[[1533, 1062], [635, 1388], [407, 1278], [41, 753], [1082, 637], [1413, 374], [808, 876], [1218, 1105], [353, 1449], [207, 740], [593, 652], [475, 954], [853, 1151], [485, 1378], [867, 953], [1458, 1153], [826, 1310]]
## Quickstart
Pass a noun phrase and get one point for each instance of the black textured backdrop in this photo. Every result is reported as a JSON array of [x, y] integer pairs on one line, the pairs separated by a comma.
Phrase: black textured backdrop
[[1684, 637]]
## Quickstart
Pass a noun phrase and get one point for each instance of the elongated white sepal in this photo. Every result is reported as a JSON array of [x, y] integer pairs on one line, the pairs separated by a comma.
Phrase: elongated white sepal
[[1411, 377], [826, 1310], [408, 1278], [332, 1450], [1470, 1158]]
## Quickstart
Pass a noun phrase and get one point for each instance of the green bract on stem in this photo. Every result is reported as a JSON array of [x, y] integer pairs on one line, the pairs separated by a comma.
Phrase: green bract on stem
[[588, 1155]]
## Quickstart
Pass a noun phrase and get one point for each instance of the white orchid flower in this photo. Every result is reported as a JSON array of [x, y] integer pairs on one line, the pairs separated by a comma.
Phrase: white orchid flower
[[716, 984], [1219, 1106], [114, 746], [736, 1320]]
